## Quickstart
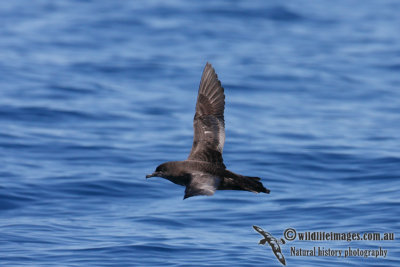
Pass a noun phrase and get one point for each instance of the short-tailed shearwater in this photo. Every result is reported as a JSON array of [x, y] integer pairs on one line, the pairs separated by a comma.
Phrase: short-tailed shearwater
[[204, 171]]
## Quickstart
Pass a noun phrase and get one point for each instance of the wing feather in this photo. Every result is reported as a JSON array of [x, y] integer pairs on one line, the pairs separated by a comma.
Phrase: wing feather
[[208, 123], [202, 184]]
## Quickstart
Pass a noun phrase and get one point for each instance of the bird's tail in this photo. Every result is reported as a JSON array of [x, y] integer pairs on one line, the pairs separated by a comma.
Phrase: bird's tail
[[246, 183], [254, 185]]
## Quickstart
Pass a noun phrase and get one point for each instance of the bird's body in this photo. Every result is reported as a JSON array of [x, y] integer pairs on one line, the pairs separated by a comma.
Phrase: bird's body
[[204, 171]]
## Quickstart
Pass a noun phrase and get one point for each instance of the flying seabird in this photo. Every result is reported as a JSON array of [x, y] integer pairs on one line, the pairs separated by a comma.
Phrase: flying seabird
[[273, 242], [204, 171]]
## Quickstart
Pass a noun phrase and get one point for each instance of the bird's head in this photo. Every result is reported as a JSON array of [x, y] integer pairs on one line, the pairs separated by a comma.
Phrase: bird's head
[[162, 170]]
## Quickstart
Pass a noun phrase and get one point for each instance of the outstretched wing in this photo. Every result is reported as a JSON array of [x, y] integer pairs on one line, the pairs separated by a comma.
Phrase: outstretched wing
[[208, 123], [277, 250], [201, 184], [259, 230]]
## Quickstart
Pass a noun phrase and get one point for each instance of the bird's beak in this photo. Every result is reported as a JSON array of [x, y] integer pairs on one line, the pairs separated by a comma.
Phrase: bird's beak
[[154, 174]]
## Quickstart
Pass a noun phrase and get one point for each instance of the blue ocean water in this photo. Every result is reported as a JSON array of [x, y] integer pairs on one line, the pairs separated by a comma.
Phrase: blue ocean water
[[95, 94]]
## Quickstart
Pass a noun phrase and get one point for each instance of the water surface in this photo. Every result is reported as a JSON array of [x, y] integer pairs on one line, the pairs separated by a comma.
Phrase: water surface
[[95, 94]]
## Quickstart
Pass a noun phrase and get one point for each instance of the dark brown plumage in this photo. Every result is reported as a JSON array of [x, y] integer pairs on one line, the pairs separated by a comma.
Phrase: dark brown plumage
[[204, 170]]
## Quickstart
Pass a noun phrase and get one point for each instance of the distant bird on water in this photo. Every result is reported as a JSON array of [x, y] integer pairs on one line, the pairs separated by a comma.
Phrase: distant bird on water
[[204, 170]]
